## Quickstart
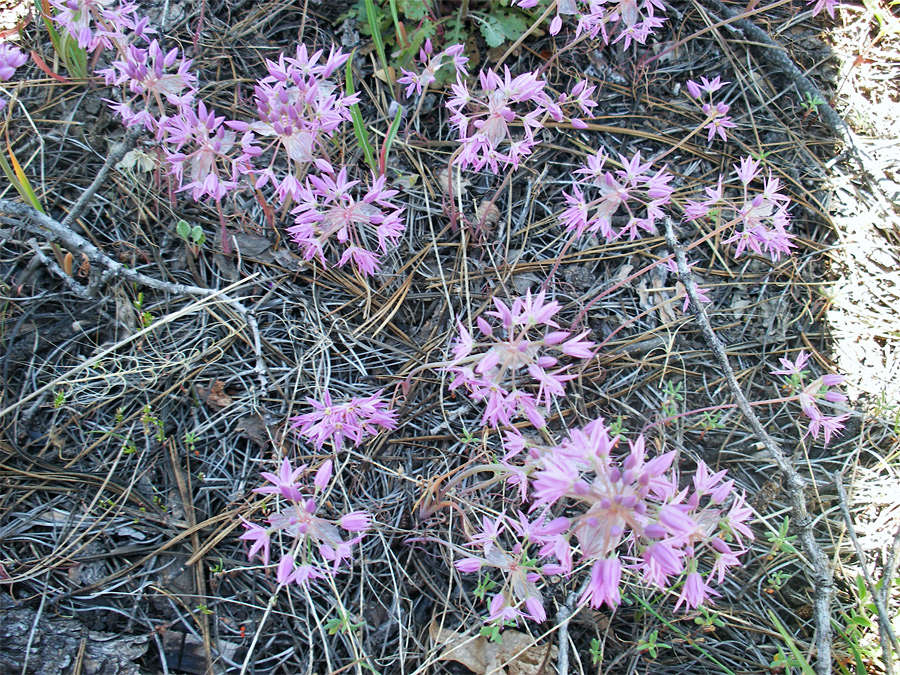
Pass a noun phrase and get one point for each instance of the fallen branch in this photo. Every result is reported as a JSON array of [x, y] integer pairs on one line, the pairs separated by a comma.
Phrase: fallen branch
[[795, 483], [55, 232]]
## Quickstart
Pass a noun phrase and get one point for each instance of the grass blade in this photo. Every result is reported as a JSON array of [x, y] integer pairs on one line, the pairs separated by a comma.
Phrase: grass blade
[[388, 141], [359, 126], [379, 43], [19, 180], [789, 641]]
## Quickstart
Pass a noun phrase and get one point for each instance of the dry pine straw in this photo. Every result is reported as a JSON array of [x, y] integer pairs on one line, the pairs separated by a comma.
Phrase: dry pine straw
[[136, 541]]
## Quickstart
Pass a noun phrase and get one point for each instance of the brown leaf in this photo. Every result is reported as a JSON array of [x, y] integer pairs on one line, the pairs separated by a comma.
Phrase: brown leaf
[[250, 245], [517, 654], [452, 184], [215, 396], [254, 427]]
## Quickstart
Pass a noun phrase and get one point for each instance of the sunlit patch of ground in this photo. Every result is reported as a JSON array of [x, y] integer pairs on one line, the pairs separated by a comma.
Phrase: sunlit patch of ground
[[11, 12], [864, 303]]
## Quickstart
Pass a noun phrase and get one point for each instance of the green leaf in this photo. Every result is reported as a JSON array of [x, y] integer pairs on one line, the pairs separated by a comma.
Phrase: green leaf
[[512, 24], [183, 229], [197, 235], [861, 621], [375, 27], [455, 32], [492, 30], [414, 10]]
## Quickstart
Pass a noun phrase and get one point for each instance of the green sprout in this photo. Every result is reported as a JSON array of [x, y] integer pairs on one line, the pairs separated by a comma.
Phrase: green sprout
[[59, 400], [673, 396], [811, 102], [193, 236], [492, 631], [709, 619], [651, 644], [780, 541], [342, 624], [485, 585]]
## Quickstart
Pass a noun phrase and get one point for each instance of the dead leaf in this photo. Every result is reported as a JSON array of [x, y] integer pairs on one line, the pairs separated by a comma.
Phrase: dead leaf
[[215, 396], [254, 427], [387, 78], [517, 654], [488, 214], [457, 187], [250, 245]]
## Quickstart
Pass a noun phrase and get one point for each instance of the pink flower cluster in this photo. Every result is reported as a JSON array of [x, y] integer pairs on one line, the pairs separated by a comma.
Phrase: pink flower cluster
[[627, 20], [818, 389], [152, 76], [10, 59], [432, 63], [356, 419], [485, 119], [204, 153], [100, 24], [626, 515], [517, 368], [312, 546], [633, 189], [762, 217], [717, 113], [299, 105], [332, 211]]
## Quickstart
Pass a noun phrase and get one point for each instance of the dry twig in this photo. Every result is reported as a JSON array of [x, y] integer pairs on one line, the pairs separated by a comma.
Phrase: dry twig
[[57, 232], [796, 484]]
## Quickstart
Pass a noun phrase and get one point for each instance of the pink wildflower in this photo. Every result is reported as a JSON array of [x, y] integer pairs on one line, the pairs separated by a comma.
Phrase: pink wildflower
[[260, 538], [604, 586], [356, 419], [100, 23], [418, 82], [11, 58], [810, 394], [206, 151], [148, 74], [762, 218], [299, 105], [694, 592], [485, 119], [298, 525], [332, 212], [634, 190], [492, 369]]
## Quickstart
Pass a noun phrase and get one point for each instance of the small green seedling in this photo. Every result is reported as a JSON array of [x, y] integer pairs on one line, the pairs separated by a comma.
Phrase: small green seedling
[[342, 624], [59, 400], [709, 620], [810, 104], [652, 645], [493, 631], [485, 585], [146, 317], [780, 541], [673, 396], [193, 236]]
